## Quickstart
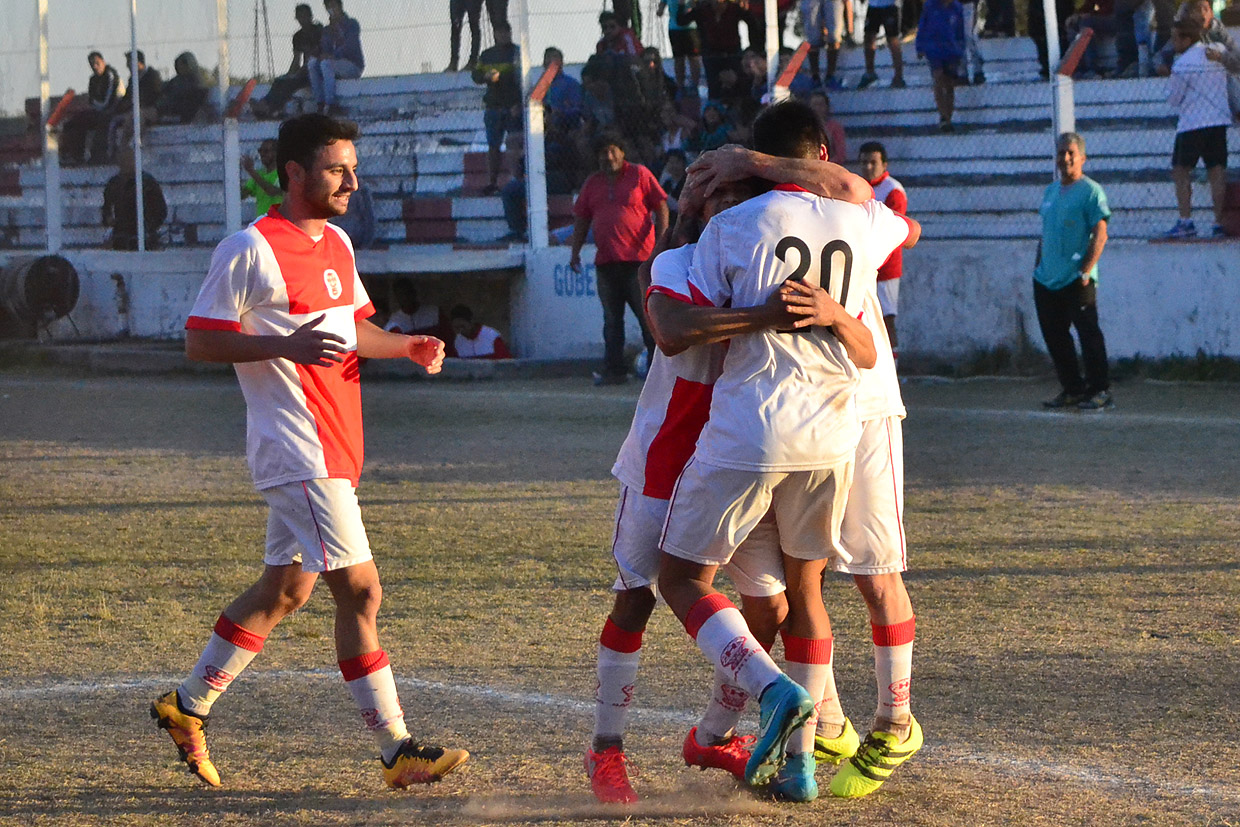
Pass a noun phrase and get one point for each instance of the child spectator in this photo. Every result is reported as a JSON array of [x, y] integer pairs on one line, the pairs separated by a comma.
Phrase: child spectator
[[714, 132], [616, 39], [340, 56], [474, 340], [263, 185], [1198, 89], [686, 47], [940, 39]]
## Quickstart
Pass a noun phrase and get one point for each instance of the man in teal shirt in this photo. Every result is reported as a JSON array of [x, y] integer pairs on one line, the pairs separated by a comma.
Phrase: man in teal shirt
[[1065, 280]]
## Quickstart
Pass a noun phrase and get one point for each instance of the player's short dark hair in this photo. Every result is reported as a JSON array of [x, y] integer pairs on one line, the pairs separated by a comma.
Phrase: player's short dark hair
[[873, 146], [606, 139], [788, 130], [461, 312], [302, 137]]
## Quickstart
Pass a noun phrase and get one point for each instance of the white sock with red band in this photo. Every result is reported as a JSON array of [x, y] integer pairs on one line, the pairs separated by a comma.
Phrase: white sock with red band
[[723, 636], [228, 652], [893, 669], [618, 655], [370, 682], [808, 662]]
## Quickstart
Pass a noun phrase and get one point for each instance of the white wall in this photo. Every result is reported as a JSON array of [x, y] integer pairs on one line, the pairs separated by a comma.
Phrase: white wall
[[957, 297]]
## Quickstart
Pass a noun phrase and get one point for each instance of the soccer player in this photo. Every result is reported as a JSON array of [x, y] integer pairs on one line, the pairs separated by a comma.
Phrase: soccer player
[[670, 411], [890, 192], [283, 301], [782, 428]]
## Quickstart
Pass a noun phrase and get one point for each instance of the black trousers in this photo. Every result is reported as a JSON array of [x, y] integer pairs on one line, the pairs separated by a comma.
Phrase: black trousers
[[617, 287], [1058, 312]]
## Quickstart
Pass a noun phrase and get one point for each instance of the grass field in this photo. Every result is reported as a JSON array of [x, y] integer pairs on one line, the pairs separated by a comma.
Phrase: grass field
[[1075, 579]]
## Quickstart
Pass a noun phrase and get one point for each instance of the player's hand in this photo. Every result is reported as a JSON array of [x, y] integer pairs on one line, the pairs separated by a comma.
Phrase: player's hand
[[574, 261], [691, 201], [720, 166], [247, 163], [810, 304], [427, 351], [307, 346]]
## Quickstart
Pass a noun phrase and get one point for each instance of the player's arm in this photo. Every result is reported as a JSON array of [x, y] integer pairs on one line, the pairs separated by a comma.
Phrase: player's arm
[[814, 306], [734, 163], [1097, 240], [581, 226], [678, 325], [304, 346], [914, 233], [373, 342]]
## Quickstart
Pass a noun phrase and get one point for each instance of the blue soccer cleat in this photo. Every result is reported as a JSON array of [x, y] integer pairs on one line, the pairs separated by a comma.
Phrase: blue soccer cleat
[[786, 706]]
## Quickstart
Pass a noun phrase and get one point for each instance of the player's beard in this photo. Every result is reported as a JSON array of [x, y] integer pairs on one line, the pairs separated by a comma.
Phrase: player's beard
[[329, 205]]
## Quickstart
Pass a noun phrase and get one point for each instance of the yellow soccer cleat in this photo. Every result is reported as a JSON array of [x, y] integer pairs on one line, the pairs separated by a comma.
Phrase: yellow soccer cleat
[[416, 764], [834, 750], [877, 758], [188, 732]]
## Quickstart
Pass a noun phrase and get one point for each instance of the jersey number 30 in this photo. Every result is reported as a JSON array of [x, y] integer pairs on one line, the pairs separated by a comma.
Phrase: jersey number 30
[[837, 287]]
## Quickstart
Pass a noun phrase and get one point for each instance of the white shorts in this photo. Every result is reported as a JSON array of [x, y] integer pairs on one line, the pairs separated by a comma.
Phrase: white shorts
[[817, 15], [889, 296], [756, 569], [317, 523], [872, 533], [713, 510]]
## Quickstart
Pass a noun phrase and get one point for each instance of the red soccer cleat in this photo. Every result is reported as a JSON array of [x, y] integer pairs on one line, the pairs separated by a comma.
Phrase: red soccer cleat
[[731, 755], [609, 776]]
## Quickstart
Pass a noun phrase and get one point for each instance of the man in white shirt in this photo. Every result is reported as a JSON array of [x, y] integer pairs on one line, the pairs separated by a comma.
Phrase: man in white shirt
[[783, 426]]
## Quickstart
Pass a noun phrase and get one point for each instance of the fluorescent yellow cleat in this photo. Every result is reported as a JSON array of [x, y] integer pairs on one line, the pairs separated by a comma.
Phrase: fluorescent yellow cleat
[[876, 759], [416, 764], [188, 732], [834, 750]]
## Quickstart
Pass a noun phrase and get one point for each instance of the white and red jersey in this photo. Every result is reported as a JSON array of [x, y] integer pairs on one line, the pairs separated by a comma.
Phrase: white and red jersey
[[303, 421], [878, 392], [891, 192], [785, 401], [487, 344], [675, 400]]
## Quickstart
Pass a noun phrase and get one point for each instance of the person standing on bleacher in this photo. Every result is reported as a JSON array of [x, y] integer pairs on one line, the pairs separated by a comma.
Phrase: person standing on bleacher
[[340, 57], [497, 70]]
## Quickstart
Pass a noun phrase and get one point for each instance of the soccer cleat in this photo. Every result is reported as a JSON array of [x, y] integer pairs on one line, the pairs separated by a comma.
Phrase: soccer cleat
[[875, 761], [1184, 228], [786, 706], [731, 755], [1063, 400], [834, 750], [609, 776], [416, 764], [188, 732], [1100, 401], [795, 779]]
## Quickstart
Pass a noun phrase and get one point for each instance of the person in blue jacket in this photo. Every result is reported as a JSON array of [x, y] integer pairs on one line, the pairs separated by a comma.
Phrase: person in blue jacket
[[940, 39]]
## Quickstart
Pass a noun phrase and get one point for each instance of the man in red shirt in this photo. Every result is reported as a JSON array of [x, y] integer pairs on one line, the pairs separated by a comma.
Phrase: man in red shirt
[[873, 158], [627, 209]]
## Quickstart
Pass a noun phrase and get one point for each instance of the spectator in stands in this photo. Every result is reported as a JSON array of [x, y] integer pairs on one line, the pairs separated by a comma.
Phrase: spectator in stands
[[564, 124], [182, 97], [655, 86], [474, 340], [1201, 13], [1065, 279], [837, 144], [457, 10], [873, 158], [885, 15], [413, 318], [497, 70], [714, 131], [718, 23], [972, 44], [616, 38], [672, 180], [626, 208], [1198, 90], [628, 13], [91, 125], [512, 196], [1036, 22], [1098, 15], [819, 17], [1132, 27], [359, 221], [120, 206], [340, 57], [801, 85], [1000, 18], [305, 46], [263, 184], [940, 39], [686, 47]]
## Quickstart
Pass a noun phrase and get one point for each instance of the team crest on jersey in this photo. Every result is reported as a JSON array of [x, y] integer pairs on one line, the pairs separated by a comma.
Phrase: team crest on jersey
[[735, 654], [331, 280]]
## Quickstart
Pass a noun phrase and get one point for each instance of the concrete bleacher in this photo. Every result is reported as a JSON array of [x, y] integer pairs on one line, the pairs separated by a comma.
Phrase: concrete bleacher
[[423, 157]]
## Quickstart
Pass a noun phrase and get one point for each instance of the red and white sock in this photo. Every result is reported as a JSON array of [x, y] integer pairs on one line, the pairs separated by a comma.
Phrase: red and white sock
[[370, 682], [723, 711], [228, 652], [618, 655], [723, 636], [808, 662], [893, 669]]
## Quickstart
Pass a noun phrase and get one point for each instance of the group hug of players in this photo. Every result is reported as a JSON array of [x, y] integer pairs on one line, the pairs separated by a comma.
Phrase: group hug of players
[[766, 441]]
